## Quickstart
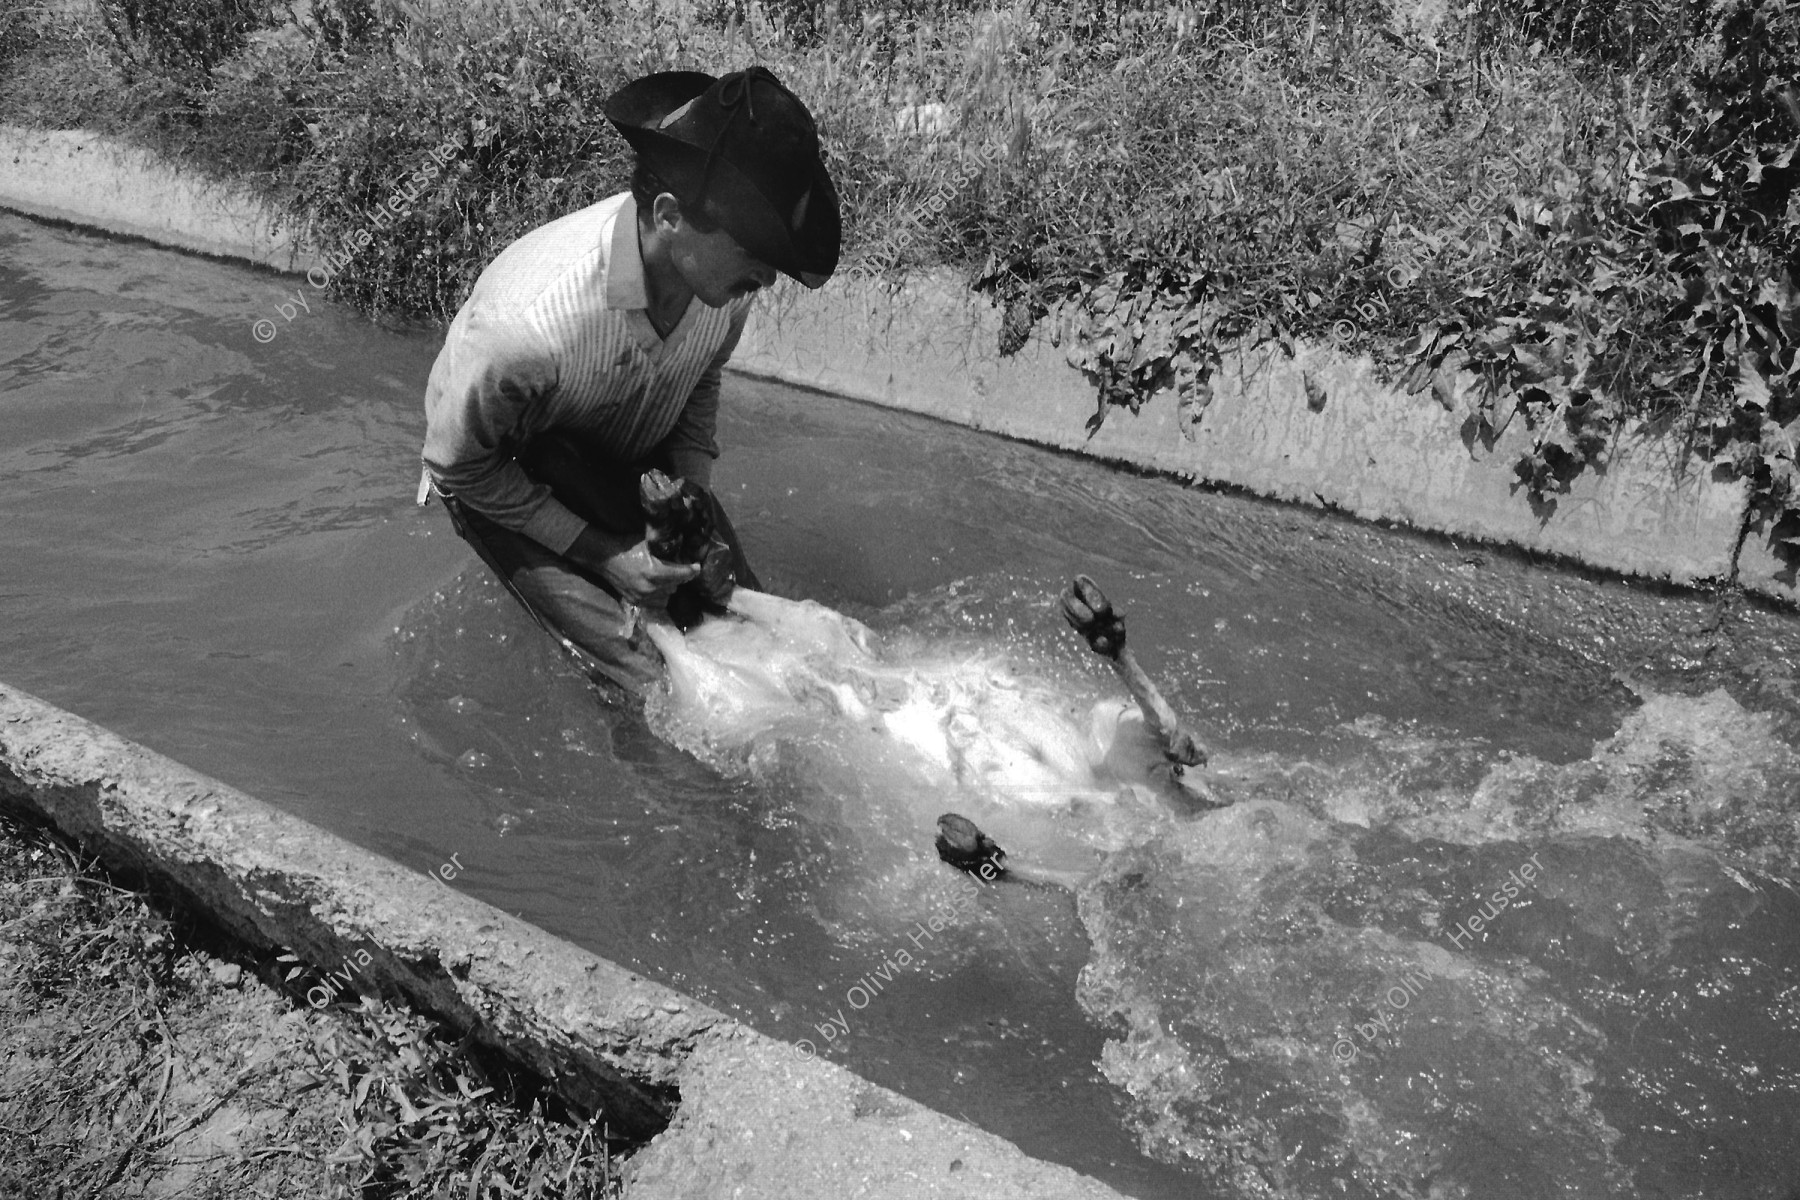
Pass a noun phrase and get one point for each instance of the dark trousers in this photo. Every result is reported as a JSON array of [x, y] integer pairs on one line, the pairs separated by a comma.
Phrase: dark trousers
[[580, 608]]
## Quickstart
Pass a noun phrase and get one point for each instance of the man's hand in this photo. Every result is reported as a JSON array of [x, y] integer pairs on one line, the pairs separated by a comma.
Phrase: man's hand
[[632, 570], [644, 579]]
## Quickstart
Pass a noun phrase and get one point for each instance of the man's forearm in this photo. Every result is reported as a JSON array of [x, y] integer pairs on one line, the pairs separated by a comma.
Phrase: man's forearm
[[504, 494], [594, 547], [692, 464]]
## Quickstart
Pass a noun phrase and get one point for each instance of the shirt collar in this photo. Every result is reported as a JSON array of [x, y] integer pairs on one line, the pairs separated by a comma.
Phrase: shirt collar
[[625, 261]]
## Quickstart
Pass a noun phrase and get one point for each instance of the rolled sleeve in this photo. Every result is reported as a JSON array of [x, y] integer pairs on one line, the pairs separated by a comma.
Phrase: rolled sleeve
[[488, 391]]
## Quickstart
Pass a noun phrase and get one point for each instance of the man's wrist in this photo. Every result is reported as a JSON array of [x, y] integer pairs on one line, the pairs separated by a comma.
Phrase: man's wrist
[[594, 547]]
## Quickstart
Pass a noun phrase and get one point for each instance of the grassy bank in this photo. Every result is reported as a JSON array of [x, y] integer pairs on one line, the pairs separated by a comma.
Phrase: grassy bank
[[143, 1056], [1585, 213]]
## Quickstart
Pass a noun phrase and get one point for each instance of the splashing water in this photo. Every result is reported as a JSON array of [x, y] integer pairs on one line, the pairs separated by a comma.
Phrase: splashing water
[[1517, 990], [936, 728], [1347, 984]]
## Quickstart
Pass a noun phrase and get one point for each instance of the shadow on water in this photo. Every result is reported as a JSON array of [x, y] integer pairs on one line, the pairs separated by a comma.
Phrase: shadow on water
[[212, 549]]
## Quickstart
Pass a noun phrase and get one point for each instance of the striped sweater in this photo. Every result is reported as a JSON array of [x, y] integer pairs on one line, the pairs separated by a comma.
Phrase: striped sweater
[[556, 335]]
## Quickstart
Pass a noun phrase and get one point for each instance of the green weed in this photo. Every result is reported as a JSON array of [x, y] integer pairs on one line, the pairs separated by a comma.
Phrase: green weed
[[1588, 208], [181, 40], [419, 1118], [20, 24]]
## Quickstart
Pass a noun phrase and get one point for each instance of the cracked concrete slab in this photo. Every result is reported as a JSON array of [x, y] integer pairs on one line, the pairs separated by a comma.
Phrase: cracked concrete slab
[[729, 1111]]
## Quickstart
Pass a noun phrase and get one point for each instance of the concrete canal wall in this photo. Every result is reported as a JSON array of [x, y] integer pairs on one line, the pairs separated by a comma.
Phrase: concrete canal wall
[[730, 1112], [96, 182], [1356, 444], [1369, 449]]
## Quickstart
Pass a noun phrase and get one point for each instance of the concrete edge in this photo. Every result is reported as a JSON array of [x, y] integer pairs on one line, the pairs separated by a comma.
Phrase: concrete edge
[[1317, 429], [726, 1107], [88, 179]]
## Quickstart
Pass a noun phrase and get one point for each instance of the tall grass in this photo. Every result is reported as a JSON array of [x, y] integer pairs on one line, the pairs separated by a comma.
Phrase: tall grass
[[20, 21], [1587, 207]]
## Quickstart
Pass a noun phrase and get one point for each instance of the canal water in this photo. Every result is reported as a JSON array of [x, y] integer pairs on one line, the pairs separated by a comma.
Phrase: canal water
[[1504, 907]]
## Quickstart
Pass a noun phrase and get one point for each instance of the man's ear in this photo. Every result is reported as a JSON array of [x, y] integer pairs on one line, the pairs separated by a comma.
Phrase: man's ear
[[665, 212]]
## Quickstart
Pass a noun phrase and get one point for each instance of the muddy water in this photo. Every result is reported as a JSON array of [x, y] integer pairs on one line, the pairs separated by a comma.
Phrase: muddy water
[[210, 547]]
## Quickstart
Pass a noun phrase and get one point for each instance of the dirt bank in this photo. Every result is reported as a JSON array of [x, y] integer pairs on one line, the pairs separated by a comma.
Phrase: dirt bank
[[146, 1056]]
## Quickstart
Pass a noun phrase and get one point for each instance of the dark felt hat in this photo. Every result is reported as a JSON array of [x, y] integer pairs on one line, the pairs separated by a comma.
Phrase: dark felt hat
[[746, 144]]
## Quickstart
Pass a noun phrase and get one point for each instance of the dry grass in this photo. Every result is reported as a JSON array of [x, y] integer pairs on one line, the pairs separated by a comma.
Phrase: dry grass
[[138, 1062]]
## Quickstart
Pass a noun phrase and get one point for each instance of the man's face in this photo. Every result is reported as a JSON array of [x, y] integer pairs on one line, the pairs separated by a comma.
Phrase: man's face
[[714, 265]]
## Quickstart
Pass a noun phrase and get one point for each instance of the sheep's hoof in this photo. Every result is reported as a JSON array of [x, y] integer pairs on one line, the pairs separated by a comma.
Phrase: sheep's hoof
[[1086, 607], [961, 843]]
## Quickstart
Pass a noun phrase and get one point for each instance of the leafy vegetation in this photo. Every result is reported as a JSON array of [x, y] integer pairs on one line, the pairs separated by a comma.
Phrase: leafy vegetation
[[19, 23], [182, 40], [1588, 210], [420, 1118], [1655, 275]]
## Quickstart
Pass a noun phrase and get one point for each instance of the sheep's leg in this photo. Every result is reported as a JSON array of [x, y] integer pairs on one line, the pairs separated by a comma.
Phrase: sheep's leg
[[1086, 608], [963, 845]]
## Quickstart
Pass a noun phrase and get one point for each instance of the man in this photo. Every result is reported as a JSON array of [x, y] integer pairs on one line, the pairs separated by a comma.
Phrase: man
[[591, 349]]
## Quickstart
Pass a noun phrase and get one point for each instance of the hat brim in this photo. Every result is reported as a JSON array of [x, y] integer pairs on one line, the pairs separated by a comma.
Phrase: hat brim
[[807, 253], [805, 249], [644, 103]]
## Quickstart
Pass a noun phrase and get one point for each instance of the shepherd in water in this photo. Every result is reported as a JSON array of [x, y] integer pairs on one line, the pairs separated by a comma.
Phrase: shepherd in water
[[583, 373], [590, 353]]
